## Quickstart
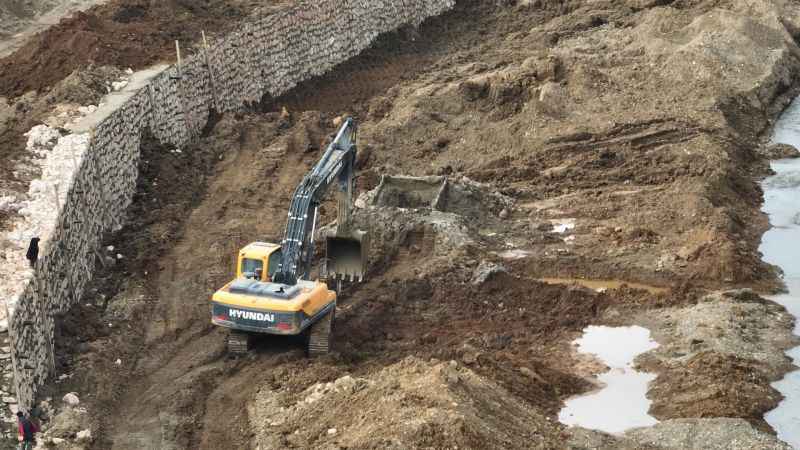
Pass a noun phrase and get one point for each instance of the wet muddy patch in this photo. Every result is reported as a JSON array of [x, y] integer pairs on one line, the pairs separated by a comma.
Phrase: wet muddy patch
[[622, 385], [781, 246], [604, 285]]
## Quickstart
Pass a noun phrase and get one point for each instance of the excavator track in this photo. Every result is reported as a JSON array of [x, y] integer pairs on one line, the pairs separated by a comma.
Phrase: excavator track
[[320, 336], [238, 343]]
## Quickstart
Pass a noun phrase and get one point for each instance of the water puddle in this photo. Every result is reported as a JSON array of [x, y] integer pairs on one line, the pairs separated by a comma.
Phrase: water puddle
[[621, 403], [604, 285], [515, 254], [781, 246], [563, 225], [785, 419]]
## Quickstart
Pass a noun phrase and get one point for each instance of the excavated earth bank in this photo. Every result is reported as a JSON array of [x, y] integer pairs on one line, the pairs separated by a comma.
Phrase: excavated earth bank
[[21, 19], [640, 122]]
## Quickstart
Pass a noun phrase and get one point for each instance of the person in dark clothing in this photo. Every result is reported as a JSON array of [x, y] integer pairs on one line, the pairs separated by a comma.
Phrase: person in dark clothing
[[33, 251], [27, 432], [36, 415]]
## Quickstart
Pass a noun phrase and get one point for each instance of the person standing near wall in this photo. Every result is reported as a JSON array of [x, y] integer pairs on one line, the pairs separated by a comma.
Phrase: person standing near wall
[[27, 432], [33, 251], [36, 415]]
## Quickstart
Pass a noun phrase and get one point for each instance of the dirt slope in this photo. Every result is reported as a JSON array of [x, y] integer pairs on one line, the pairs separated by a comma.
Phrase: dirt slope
[[121, 33], [461, 410], [631, 121], [21, 19]]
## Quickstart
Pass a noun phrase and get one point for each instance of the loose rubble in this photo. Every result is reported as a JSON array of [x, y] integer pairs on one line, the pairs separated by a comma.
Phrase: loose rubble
[[410, 404]]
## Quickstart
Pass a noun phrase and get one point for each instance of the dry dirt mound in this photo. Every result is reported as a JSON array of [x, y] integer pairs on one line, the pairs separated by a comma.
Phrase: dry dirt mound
[[707, 434], [21, 19], [121, 33], [620, 119], [434, 216], [411, 404]]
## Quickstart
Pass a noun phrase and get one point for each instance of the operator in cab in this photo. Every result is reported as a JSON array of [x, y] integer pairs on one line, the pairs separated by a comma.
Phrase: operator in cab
[[253, 269]]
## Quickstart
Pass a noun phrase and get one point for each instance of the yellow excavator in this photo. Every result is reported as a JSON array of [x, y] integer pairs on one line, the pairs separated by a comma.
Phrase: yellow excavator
[[271, 293]]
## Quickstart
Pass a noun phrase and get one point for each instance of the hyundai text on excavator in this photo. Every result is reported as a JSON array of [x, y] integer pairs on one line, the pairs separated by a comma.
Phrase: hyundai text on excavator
[[271, 293]]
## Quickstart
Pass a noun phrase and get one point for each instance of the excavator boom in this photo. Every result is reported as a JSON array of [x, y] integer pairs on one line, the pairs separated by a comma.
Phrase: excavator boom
[[337, 166]]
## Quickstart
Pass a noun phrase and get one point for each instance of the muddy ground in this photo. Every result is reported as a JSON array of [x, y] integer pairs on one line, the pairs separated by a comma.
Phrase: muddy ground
[[637, 121]]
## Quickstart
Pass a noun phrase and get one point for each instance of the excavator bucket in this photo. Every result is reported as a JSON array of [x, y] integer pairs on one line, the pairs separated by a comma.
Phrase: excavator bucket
[[346, 255]]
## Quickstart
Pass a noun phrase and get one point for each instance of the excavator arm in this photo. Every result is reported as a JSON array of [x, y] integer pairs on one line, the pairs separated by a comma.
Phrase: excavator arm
[[335, 167]]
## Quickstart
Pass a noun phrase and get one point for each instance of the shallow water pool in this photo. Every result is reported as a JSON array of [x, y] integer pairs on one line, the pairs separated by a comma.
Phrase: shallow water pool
[[621, 402]]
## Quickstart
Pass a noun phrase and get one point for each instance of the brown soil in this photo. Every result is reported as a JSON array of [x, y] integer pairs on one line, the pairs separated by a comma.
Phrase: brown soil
[[718, 357], [120, 33], [460, 409], [713, 385], [574, 110]]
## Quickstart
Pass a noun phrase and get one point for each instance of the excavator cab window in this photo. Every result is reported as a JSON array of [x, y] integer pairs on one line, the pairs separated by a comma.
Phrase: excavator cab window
[[274, 262], [252, 268]]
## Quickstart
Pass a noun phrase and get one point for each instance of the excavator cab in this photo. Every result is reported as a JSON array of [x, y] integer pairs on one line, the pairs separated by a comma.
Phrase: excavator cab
[[258, 261]]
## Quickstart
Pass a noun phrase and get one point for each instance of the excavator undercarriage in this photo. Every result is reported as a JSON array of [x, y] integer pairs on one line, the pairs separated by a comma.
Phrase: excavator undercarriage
[[320, 336]]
